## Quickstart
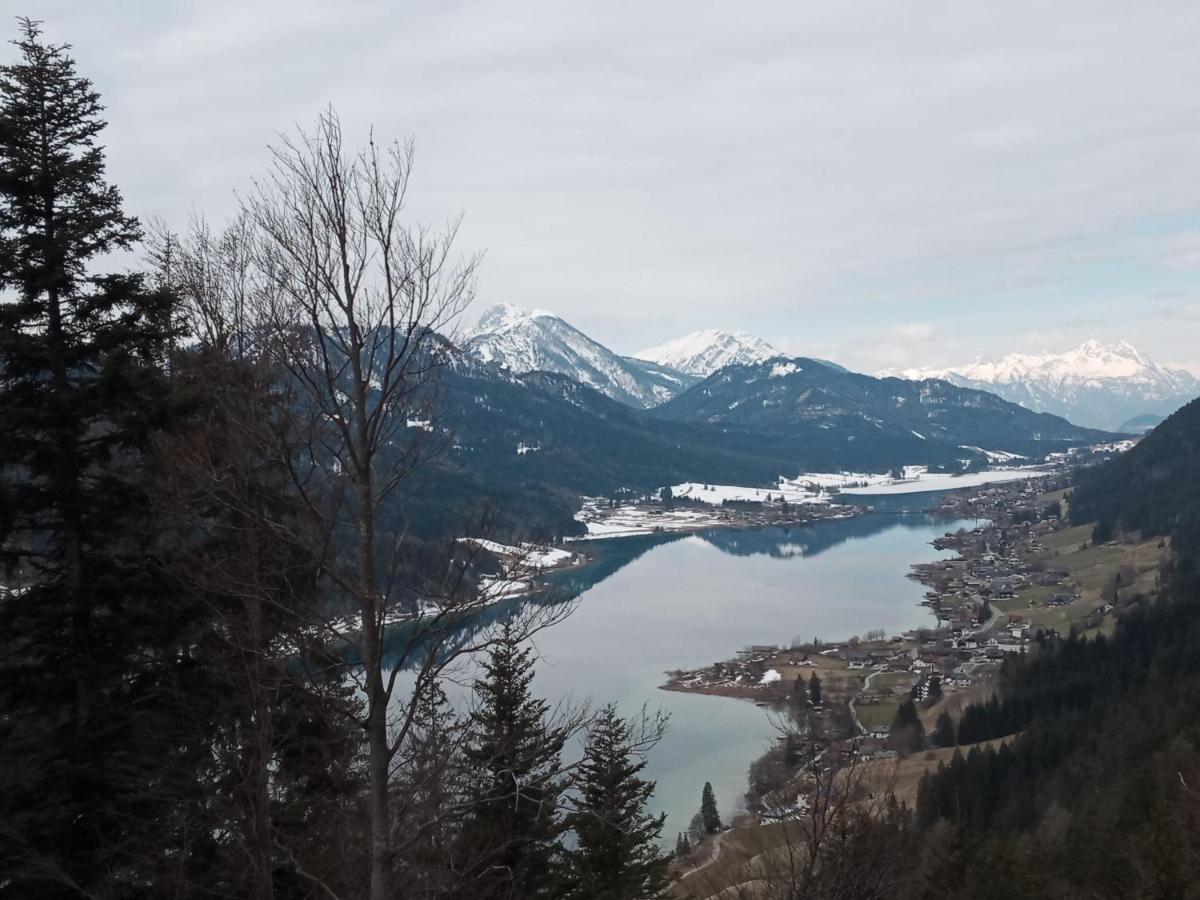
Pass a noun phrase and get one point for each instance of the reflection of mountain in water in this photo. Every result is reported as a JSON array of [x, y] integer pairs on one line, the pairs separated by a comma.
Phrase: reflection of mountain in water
[[811, 540], [610, 556]]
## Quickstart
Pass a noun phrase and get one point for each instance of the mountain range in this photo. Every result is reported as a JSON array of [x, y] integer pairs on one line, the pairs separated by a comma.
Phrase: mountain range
[[528, 444], [1111, 386]]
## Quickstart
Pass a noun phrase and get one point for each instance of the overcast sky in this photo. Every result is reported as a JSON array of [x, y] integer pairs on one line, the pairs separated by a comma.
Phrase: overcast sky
[[878, 183]]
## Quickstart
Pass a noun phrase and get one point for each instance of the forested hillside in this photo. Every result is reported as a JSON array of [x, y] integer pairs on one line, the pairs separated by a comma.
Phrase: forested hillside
[[1096, 795], [1155, 487], [812, 402]]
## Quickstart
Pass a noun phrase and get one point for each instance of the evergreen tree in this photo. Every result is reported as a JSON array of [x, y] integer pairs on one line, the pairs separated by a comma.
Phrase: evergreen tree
[[908, 734], [682, 846], [814, 690], [710, 819], [87, 635], [510, 837], [616, 855], [943, 733], [426, 785]]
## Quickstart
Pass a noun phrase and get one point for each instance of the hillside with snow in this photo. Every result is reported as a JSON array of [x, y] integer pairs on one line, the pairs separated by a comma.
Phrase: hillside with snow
[[1095, 384], [523, 340], [703, 352]]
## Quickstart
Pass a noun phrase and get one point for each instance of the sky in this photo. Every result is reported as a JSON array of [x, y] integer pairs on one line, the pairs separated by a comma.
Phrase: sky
[[884, 185]]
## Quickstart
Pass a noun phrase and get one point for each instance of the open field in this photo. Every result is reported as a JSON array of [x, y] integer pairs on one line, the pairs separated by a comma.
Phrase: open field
[[1092, 577], [902, 776]]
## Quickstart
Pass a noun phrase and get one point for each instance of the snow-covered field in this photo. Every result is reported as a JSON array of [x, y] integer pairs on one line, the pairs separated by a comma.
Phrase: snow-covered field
[[602, 520], [625, 521], [932, 481], [526, 557], [716, 494]]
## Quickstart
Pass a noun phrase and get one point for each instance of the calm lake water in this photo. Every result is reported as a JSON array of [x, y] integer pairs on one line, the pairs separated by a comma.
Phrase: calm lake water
[[655, 603]]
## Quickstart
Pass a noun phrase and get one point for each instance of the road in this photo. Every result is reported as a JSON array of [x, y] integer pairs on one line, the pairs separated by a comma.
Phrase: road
[[866, 686]]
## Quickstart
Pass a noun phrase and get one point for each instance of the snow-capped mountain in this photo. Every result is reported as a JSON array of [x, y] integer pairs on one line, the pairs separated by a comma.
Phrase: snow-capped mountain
[[524, 340], [703, 352], [1095, 384]]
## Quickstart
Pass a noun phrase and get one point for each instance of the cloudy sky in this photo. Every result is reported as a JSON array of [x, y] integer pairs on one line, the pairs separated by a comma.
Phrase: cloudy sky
[[881, 184]]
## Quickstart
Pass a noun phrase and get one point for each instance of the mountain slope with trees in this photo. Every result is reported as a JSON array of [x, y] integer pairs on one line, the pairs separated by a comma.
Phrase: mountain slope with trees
[[1153, 487], [812, 403]]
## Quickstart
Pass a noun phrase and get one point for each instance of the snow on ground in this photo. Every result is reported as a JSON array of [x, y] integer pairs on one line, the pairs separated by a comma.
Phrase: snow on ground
[[716, 494], [495, 588], [994, 456], [934, 481], [841, 480], [624, 521], [770, 677], [526, 556]]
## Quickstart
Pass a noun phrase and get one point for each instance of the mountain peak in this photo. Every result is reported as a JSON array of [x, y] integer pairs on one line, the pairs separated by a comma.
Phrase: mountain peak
[[534, 340], [1095, 383], [504, 316], [703, 352]]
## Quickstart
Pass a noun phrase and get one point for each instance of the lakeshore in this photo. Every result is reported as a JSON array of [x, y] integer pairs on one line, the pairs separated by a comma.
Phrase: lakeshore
[[1022, 577]]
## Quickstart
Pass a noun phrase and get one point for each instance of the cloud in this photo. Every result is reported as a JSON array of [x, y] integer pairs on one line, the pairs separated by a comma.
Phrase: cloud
[[648, 169], [920, 332]]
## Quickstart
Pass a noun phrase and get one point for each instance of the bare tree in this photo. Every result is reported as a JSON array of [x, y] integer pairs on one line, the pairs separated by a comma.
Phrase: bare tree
[[355, 301]]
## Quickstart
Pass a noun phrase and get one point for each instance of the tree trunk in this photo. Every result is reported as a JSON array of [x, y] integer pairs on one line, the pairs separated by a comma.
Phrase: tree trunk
[[260, 805]]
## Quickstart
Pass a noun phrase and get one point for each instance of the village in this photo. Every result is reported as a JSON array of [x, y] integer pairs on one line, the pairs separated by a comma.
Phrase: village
[[1022, 577]]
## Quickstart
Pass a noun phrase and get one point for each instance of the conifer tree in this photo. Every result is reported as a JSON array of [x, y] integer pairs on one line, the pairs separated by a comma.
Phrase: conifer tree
[[908, 734], [427, 786], [682, 846], [814, 690], [617, 855], [709, 817], [510, 836], [943, 734], [85, 632]]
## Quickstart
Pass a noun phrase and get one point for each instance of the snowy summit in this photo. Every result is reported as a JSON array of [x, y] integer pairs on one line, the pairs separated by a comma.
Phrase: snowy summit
[[1096, 384], [524, 340], [703, 352]]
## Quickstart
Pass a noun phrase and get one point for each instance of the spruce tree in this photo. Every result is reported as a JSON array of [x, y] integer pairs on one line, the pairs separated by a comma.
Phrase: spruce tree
[[908, 734], [943, 734], [814, 690], [85, 631], [510, 837], [682, 846], [617, 856], [709, 817]]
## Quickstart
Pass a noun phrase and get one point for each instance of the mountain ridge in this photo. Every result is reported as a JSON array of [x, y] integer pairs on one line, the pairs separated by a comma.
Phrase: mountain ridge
[[703, 352], [525, 341], [1096, 384]]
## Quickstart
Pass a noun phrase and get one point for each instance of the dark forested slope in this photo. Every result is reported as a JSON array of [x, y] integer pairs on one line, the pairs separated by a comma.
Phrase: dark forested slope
[[1152, 487]]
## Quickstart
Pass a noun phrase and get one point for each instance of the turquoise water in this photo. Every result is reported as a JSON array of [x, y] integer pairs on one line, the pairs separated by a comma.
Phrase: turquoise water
[[656, 603]]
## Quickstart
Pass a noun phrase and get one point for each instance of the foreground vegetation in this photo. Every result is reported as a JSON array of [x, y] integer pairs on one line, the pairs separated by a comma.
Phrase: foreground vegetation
[[206, 553]]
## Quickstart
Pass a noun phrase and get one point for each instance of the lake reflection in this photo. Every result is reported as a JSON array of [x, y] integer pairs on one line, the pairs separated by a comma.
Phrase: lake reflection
[[660, 602]]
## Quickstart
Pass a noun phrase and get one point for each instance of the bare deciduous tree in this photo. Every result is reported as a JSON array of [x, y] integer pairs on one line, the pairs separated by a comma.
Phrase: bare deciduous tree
[[356, 301]]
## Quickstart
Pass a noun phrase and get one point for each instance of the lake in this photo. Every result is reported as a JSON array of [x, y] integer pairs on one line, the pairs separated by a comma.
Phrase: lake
[[660, 602]]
